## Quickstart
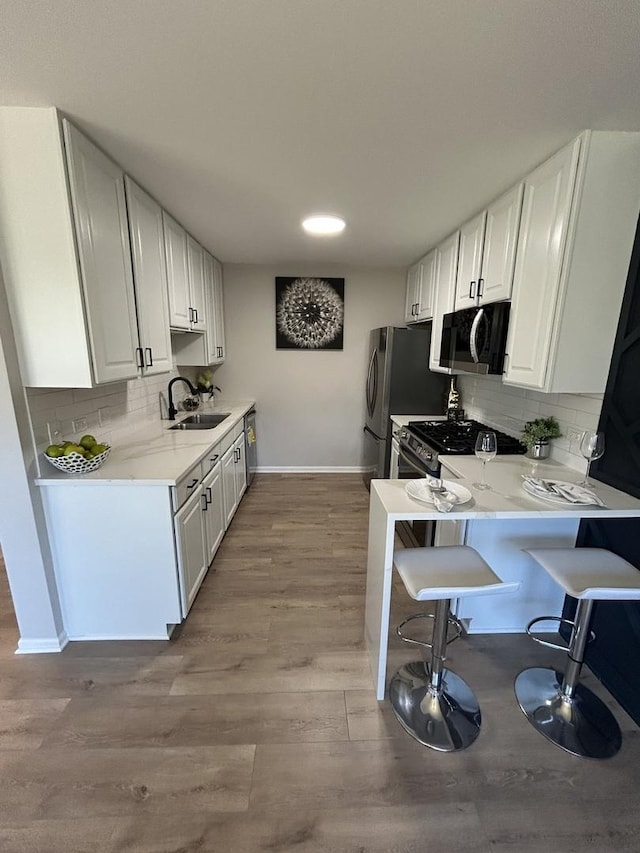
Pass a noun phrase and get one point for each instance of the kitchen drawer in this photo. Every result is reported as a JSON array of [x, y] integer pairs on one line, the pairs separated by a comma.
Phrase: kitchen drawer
[[186, 485], [211, 458], [238, 429], [226, 442]]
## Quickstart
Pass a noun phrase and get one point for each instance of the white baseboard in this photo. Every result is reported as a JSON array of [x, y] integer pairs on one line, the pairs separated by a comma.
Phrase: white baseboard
[[310, 469], [41, 645]]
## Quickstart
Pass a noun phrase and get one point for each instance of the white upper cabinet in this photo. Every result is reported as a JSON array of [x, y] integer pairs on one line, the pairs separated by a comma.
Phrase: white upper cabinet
[[420, 289], [195, 258], [175, 241], [214, 309], [414, 288], [100, 216], [487, 252], [185, 274], [576, 234], [218, 313], [65, 254], [444, 293], [150, 279], [469, 262], [499, 247], [207, 349]]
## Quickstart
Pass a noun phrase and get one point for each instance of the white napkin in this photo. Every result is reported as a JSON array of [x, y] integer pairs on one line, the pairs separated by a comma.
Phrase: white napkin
[[444, 501], [569, 492]]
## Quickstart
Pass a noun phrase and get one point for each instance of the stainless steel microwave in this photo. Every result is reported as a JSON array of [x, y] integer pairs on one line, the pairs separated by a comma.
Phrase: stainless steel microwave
[[474, 339]]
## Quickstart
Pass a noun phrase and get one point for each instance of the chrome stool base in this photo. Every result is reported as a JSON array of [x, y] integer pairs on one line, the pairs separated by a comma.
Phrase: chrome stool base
[[582, 725], [447, 719]]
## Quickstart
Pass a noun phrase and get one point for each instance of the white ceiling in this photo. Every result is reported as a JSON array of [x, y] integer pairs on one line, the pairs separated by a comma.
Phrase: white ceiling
[[405, 117]]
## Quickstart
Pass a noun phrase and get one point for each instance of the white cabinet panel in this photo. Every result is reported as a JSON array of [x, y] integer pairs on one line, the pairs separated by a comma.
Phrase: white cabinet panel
[[150, 279], [241, 467], [195, 259], [218, 313], [214, 513], [190, 533], [420, 289], [487, 252], [444, 295], [543, 233], [469, 262], [229, 487], [499, 247], [100, 214], [413, 294], [175, 238]]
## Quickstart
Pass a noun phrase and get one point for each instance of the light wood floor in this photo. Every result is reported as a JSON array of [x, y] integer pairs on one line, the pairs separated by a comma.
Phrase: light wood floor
[[256, 729]]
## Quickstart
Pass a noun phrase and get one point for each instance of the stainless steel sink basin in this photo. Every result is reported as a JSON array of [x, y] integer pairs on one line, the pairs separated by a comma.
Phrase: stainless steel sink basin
[[203, 421]]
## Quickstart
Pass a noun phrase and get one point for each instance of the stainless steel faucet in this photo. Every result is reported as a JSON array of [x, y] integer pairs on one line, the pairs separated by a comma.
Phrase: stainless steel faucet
[[172, 409]]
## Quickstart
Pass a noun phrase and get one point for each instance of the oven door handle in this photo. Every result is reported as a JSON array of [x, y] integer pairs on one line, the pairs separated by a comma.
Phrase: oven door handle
[[422, 471]]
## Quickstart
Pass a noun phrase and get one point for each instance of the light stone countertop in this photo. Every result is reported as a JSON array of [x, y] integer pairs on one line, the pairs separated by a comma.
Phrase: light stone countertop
[[155, 454], [506, 498]]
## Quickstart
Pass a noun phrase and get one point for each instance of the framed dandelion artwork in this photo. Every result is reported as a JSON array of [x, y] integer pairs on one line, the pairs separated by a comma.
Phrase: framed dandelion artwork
[[309, 313]]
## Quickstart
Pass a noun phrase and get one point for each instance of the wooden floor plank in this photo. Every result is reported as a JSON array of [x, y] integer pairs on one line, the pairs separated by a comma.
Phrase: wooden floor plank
[[255, 729]]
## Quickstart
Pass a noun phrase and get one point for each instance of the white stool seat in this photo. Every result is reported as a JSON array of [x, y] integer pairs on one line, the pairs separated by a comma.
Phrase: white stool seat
[[590, 573], [431, 702], [445, 572], [556, 704]]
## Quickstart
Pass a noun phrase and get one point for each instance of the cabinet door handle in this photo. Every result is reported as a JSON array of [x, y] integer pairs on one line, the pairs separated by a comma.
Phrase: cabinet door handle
[[195, 313], [149, 355], [214, 459], [480, 286], [139, 358], [191, 315], [205, 504], [209, 498], [472, 289], [192, 484]]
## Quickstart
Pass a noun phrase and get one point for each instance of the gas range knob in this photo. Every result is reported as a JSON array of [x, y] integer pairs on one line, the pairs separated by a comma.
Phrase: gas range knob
[[404, 434]]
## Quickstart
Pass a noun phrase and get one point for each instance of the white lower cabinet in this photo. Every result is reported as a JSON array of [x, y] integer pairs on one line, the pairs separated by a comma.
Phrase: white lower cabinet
[[199, 526], [136, 573], [234, 477], [190, 536]]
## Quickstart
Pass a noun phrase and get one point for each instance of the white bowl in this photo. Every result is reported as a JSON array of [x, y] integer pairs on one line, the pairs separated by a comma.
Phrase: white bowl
[[73, 463]]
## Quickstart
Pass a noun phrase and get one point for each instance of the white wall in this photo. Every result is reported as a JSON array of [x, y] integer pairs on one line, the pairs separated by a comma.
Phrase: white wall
[[310, 403], [23, 534], [486, 399]]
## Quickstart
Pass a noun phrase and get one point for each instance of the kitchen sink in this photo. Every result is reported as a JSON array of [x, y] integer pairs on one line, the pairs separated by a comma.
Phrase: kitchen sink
[[203, 421]]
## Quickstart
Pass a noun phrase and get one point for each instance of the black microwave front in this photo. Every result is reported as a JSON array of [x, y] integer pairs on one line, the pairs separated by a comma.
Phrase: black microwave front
[[474, 339]]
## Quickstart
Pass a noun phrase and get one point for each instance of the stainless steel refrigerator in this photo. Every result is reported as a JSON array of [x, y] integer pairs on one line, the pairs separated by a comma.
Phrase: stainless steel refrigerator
[[399, 382]]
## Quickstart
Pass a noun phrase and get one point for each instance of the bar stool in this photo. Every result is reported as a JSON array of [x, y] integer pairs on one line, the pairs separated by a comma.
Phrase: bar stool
[[431, 702], [566, 712]]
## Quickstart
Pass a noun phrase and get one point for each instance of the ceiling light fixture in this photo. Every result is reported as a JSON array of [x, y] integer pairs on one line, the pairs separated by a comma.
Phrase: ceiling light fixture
[[323, 224]]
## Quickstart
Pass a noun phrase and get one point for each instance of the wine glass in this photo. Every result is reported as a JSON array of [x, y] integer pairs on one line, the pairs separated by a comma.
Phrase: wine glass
[[591, 447], [485, 449]]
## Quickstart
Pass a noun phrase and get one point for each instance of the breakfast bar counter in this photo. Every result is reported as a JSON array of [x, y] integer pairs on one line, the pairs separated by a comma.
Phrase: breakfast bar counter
[[499, 522]]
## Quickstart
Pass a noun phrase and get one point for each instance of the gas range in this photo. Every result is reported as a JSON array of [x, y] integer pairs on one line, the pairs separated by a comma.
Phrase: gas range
[[426, 440]]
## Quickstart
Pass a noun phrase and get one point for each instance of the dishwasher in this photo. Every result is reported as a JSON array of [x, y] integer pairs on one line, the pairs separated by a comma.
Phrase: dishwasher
[[251, 447]]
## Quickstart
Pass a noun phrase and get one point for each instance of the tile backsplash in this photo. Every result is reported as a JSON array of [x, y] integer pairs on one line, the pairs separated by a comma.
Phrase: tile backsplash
[[110, 412], [486, 399]]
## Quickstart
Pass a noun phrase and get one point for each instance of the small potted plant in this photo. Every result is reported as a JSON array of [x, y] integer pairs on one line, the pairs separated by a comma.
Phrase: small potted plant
[[536, 435]]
